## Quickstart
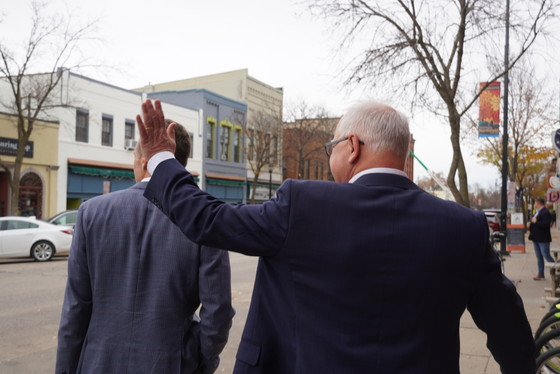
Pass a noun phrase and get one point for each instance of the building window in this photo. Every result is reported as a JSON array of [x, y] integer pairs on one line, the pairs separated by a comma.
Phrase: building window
[[129, 129], [210, 130], [237, 145], [82, 125], [191, 137], [273, 150], [107, 130], [225, 141]]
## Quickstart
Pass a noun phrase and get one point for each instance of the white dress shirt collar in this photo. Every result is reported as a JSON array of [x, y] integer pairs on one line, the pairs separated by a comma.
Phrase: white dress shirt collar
[[377, 170]]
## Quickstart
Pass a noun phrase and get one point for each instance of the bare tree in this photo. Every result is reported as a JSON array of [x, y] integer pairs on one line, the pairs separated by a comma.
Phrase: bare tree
[[53, 42], [264, 135], [420, 48], [306, 130]]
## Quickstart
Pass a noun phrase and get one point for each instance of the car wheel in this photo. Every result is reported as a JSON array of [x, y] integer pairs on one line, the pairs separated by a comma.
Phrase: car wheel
[[42, 251]]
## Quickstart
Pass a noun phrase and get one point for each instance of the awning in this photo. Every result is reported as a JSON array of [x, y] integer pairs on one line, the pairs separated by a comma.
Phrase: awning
[[101, 172], [224, 182]]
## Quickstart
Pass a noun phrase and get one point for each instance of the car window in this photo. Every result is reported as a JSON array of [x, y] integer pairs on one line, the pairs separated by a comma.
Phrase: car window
[[66, 219], [18, 225]]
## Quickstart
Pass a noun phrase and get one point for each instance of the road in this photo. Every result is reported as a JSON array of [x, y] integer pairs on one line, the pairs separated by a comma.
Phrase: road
[[31, 297]]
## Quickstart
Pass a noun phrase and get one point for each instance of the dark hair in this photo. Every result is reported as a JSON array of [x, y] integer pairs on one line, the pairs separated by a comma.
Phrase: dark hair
[[540, 200], [182, 142]]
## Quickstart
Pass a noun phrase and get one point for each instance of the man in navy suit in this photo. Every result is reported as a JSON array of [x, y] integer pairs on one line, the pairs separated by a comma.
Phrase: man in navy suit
[[539, 233], [134, 284], [367, 275]]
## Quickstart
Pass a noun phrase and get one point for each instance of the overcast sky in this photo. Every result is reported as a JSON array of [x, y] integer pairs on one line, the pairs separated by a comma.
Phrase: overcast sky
[[278, 41]]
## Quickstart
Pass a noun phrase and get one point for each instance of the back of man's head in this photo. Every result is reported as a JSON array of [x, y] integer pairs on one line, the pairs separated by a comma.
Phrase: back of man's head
[[379, 126], [182, 143], [540, 200]]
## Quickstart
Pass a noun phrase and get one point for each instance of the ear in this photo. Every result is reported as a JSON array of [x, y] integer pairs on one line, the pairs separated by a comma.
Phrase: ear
[[356, 148], [144, 164]]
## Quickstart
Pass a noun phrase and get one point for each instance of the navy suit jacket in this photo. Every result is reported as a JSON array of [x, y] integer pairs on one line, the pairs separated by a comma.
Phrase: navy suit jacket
[[134, 283], [369, 277], [540, 231]]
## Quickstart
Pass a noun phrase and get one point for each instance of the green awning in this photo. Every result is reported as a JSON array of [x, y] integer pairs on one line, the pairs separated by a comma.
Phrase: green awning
[[223, 182], [101, 172]]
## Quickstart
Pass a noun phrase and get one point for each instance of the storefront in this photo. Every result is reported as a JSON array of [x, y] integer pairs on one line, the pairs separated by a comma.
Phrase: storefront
[[226, 188], [87, 179]]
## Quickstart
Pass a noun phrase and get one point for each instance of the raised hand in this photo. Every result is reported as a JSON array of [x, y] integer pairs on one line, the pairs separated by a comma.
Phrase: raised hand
[[155, 136]]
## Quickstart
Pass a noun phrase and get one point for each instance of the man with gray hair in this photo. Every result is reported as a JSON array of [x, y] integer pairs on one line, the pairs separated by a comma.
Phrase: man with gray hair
[[367, 275]]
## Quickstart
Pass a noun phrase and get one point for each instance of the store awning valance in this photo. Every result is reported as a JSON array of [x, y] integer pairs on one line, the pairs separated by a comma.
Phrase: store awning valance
[[101, 172], [224, 182]]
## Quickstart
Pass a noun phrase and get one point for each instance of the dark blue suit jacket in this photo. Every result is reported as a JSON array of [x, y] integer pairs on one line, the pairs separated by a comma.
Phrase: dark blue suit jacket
[[134, 283], [369, 277]]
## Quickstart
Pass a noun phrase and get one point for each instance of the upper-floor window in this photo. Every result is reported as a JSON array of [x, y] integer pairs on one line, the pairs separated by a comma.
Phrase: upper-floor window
[[129, 129], [225, 141], [210, 131], [191, 136], [82, 125], [237, 139], [273, 150], [107, 130]]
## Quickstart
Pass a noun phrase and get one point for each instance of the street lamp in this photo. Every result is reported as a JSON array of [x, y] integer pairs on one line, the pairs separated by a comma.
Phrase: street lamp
[[503, 209], [269, 182]]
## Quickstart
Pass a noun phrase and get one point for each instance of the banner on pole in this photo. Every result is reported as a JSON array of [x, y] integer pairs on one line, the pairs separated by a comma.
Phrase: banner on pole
[[489, 111]]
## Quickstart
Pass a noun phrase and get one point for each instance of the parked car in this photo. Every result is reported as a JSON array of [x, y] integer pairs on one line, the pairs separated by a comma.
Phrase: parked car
[[493, 218], [27, 236], [66, 218]]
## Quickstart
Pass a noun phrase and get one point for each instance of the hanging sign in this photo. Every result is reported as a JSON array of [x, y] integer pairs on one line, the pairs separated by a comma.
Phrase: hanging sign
[[489, 111]]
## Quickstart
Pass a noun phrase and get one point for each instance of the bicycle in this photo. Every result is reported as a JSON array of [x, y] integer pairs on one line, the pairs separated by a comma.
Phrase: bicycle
[[549, 362]]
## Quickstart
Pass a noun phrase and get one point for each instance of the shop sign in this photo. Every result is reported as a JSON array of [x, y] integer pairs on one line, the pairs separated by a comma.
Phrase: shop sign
[[9, 147]]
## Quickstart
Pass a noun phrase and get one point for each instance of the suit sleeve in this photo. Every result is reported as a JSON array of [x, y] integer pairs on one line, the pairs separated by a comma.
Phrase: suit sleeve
[[258, 230], [498, 310], [216, 312], [76, 309]]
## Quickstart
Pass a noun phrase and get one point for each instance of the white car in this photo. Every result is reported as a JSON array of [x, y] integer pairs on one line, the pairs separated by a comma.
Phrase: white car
[[27, 236]]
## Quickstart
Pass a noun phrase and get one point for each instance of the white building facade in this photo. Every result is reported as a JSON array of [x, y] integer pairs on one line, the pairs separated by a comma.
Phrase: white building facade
[[97, 137]]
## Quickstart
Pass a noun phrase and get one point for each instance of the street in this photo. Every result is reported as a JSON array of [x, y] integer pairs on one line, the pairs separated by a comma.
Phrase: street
[[32, 295]]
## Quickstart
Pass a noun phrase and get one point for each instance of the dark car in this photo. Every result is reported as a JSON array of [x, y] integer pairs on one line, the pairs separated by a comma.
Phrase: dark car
[[493, 218], [66, 218]]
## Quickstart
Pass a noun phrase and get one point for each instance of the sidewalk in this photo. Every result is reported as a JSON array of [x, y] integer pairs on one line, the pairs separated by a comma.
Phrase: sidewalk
[[520, 268]]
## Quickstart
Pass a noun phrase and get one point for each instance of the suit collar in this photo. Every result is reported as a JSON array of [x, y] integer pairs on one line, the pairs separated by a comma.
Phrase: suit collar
[[139, 186], [384, 179]]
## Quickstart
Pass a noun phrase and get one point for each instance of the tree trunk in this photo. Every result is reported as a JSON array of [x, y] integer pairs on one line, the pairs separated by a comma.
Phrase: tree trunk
[[461, 193], [254, 187], [14, 184]]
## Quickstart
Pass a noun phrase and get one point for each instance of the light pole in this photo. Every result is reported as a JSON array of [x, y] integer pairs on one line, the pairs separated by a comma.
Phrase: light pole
[[503, 218], [269, 182]]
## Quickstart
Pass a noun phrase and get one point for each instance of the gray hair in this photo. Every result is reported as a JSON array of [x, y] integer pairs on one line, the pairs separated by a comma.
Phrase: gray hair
[[379, 126]]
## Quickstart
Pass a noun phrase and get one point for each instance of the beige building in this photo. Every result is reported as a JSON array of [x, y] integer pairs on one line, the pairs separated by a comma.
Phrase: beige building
[[258, 96], [39, 170]]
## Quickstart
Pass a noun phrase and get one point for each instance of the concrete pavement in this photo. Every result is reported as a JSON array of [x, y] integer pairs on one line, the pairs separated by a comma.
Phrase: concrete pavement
[[520, 268]]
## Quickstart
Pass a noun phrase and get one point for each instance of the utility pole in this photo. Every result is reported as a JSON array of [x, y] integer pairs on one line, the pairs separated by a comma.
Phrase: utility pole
[[503, 218]]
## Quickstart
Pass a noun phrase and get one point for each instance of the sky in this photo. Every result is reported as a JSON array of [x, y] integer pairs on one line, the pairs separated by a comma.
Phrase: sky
[[141, 42]]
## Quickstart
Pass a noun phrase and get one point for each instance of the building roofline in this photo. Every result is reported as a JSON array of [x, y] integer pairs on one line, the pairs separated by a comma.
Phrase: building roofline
[[205, 92], [38, 119], [104, 83]]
